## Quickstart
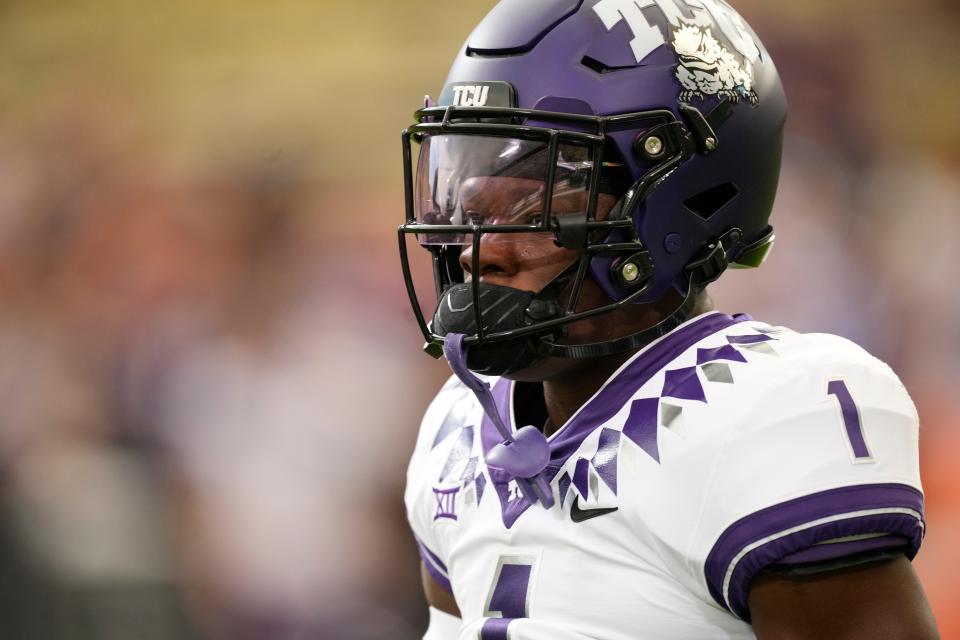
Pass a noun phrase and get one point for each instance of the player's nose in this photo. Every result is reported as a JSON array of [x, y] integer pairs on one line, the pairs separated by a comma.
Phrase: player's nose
[[497, 257]]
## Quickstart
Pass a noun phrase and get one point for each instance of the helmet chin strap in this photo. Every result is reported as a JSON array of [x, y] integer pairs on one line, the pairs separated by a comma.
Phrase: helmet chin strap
[[523, 455], [548, 348]]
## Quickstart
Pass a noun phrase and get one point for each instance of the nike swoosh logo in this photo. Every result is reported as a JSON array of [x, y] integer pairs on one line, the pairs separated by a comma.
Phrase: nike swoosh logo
[[579, 515]]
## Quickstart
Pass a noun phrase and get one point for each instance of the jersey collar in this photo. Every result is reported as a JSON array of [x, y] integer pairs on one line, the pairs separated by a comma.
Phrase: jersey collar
[[602, 406]]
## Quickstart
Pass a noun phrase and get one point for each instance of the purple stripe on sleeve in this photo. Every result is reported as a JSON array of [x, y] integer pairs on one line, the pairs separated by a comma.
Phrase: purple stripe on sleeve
[[766, 537], [436, 568]]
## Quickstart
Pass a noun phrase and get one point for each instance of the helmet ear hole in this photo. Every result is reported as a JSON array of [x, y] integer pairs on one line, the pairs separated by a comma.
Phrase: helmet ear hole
[[706, 203]]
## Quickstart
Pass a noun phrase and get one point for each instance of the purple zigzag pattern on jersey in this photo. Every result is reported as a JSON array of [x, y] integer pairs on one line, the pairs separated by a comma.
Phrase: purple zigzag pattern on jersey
[[770, 535], [683, 384], [581, 477], [641, 425], [605, 459], [481, 483], [460, 452], [601, 408], [609, 401], [564, 486], [724, 352]]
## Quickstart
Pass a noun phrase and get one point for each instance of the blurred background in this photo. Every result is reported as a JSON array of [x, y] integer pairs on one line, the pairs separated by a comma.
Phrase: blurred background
[[210, 379]]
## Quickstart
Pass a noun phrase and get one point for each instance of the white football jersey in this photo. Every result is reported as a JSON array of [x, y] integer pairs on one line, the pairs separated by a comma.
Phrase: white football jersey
[[721, 449]]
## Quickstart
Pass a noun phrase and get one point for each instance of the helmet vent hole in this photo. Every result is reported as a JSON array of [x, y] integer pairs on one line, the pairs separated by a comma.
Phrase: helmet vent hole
[[599, 67], [706, 203]]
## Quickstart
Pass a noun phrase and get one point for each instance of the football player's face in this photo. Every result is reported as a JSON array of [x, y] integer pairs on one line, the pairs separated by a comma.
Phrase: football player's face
[[528, 261]]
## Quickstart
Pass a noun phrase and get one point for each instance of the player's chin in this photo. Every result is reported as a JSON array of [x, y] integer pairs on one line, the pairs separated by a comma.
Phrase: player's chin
[[551, 369], [546, 369]]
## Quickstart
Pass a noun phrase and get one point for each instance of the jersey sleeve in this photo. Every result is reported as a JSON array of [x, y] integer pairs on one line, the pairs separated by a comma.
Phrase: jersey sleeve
[[441, 418], [822, 467]]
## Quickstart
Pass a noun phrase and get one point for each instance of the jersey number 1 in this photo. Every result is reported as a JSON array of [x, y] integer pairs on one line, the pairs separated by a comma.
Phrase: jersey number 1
[[509, 597], [851, 420]]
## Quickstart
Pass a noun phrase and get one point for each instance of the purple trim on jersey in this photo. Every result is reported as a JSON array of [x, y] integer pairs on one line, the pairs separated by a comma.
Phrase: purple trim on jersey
[[683, 384], [434, 566], [641, 425], [581, 477], [601, 408], [609, 401], [605, 459], [831, 551], [782, 518], [724, 352]]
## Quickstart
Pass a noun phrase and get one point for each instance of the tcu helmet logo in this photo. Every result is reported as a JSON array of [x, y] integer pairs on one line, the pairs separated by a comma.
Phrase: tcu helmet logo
[[470, 95], [706, 68], [705, 13]]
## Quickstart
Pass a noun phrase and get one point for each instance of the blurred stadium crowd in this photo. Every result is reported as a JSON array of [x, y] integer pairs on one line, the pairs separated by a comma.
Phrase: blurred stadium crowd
[[210, 380]]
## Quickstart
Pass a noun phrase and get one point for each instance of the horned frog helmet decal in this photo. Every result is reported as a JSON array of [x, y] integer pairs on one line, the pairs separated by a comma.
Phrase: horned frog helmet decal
[[707, 68]]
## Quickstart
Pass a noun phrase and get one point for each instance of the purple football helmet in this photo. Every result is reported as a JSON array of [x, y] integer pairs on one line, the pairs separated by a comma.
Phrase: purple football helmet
[[671, 108]]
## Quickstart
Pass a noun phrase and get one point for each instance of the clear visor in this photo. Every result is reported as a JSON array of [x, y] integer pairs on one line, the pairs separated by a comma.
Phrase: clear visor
[[474, 180]]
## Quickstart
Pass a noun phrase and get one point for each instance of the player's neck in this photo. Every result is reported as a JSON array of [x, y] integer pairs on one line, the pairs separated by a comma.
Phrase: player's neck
[[563, 395]]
